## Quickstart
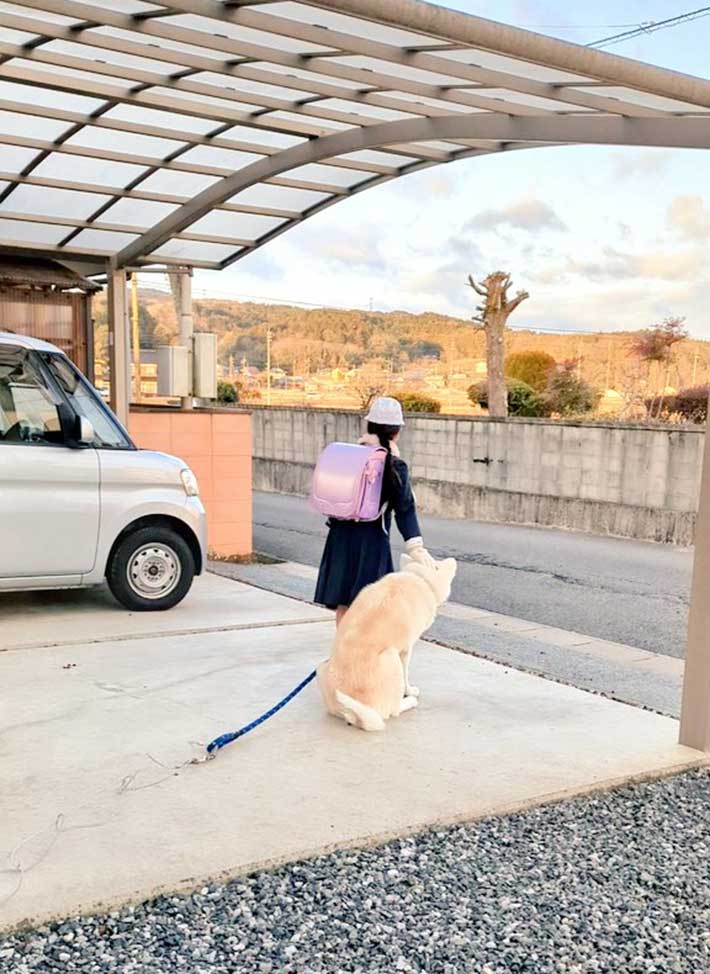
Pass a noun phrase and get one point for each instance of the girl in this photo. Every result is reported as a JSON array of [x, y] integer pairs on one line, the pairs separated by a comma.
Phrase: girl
[[357, 553]]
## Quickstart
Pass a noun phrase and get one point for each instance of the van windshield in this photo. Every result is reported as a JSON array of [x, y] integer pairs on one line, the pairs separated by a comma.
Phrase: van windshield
[[108, 434]]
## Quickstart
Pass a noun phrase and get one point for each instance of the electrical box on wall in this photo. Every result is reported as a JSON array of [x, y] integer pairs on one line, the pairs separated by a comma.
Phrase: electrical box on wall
[[173, 370], [204, 363]]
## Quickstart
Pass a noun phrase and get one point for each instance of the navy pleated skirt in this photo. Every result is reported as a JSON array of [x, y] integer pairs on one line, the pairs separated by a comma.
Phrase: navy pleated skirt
[[356, 553]]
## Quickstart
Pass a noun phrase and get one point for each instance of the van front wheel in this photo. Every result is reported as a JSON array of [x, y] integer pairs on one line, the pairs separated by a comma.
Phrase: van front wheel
[[151, 569]]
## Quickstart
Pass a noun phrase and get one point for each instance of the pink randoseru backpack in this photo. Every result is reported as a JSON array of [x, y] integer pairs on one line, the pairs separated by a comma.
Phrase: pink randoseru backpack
[[347, 482]]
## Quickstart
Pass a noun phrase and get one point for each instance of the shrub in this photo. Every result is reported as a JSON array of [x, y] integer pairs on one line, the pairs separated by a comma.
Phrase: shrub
[[532, 368], [690, 405], [227, 392], [418, 402], [522, 399], [569, 395]]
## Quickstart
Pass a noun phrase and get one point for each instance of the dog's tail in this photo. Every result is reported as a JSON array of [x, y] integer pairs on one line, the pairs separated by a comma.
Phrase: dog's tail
[[359, 714]]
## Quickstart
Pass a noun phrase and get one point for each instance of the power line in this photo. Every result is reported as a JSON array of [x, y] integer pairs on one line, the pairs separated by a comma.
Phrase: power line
[[578, 26], [651, 26]]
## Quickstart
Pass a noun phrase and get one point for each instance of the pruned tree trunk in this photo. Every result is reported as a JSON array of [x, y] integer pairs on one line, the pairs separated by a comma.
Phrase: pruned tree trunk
[[495, 364], [493, 314]]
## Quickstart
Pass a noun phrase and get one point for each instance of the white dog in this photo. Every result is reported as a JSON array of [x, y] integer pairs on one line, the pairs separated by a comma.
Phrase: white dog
[[366, 680]]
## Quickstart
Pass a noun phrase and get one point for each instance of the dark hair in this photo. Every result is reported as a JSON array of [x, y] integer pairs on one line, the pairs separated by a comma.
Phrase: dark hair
[[383, 433], [390, 481]]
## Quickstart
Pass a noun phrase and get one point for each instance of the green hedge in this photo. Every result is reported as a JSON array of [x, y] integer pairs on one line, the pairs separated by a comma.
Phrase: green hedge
[[522, 399], [418, 402], [532, 368], [227, 392]]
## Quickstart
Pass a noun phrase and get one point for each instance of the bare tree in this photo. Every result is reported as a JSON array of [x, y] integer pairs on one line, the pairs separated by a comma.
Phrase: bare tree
[[493, 314], [656, 345], [369, 382]]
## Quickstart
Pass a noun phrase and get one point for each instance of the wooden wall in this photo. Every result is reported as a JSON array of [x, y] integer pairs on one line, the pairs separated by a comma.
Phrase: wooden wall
[[59, 317]]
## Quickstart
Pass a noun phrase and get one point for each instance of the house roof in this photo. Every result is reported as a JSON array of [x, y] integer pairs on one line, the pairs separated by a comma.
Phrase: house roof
[[195, 131], [41, 273]]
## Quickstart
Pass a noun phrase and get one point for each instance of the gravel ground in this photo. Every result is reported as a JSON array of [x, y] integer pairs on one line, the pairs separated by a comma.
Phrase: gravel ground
[[619, 882]]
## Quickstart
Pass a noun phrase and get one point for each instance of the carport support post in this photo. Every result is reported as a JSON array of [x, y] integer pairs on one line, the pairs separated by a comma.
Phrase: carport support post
[[181, 286], [695, 709], [119, 348]]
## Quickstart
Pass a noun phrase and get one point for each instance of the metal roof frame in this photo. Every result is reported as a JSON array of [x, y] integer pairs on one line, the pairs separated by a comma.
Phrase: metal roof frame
[[269, 111]]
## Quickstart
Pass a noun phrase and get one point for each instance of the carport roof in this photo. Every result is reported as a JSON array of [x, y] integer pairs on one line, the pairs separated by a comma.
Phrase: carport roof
[[194, 131]]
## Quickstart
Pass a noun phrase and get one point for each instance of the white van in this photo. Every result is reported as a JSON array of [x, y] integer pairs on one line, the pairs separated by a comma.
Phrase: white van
[[79, 503]]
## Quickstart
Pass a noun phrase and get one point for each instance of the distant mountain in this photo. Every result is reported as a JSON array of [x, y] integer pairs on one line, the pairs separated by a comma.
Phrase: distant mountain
[[305, 340]]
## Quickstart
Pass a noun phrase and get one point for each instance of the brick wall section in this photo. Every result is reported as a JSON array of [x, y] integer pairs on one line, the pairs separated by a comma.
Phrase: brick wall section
[[630, 481], [217, 445]]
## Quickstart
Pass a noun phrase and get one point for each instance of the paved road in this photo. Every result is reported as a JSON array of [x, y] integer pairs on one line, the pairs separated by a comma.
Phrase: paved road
[[629, 592]]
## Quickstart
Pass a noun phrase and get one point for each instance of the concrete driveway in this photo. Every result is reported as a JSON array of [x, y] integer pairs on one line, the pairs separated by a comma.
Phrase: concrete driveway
[[102, 711]]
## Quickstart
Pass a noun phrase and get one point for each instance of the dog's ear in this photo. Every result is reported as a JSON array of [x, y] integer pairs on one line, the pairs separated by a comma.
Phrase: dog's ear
[[404, 560], [449, 565]]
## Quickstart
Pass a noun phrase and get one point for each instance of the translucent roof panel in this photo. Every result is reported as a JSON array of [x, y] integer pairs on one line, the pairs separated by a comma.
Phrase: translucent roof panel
[[111, 140], [327, 175], [210, 157], [245, 226], [37, 95], [269, 196], [32, 126], [43, 201], [137, 212], [193, 131], [84, 169], [188, 250], [108, 242], [15, 158], [17, 231], [233, 31], [522, 69], [184, 184]]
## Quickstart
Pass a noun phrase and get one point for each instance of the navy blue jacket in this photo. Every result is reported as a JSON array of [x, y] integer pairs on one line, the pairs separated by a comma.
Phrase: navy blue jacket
[[402, 503]]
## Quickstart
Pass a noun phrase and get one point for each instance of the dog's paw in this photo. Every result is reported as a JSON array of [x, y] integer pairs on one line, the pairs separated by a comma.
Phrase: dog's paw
[[411, 691]]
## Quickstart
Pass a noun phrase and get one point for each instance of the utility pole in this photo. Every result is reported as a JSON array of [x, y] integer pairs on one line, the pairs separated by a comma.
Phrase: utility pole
[[231, 368], [695, 367], [135, 338], [268, 366], [451, 368]]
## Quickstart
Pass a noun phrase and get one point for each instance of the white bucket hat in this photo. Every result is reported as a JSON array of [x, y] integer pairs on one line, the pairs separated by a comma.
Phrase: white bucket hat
[[385, 411]]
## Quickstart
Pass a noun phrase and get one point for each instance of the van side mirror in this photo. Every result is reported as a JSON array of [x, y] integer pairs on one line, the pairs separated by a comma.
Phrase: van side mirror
[[84, 431], [77, 430]]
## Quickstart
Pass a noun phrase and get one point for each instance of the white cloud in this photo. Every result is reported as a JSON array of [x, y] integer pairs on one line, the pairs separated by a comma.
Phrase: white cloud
[[527, 214], [613, 264], [639, 163], [689, 216]]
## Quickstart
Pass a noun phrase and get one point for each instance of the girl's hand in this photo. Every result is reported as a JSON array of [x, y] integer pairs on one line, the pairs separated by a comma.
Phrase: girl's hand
[[417, 551]]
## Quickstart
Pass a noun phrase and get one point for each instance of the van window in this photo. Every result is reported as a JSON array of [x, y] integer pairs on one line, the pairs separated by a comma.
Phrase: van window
[[86, 402], [28, 413]]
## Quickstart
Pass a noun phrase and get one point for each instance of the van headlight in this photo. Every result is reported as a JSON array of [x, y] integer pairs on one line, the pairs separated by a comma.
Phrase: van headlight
[[189, 482]]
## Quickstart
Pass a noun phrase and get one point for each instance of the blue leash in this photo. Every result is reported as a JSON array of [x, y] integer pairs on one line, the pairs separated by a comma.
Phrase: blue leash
[[220, 742]]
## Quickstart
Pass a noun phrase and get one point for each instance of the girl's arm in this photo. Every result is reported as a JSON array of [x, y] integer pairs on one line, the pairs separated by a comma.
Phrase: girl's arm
[[403, 503], [405, 515]]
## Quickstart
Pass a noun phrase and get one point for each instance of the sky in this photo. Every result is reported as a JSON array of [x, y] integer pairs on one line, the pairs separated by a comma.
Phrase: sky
[[602, 238]]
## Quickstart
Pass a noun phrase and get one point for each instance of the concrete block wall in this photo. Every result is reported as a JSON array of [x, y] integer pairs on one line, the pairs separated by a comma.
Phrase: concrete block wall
[[630, 481]]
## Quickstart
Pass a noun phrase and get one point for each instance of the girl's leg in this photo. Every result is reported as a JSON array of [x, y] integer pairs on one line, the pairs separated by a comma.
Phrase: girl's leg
[[339, 613]]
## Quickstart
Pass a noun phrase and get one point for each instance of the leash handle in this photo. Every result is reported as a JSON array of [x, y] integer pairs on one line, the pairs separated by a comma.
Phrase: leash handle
[[219, 742]]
